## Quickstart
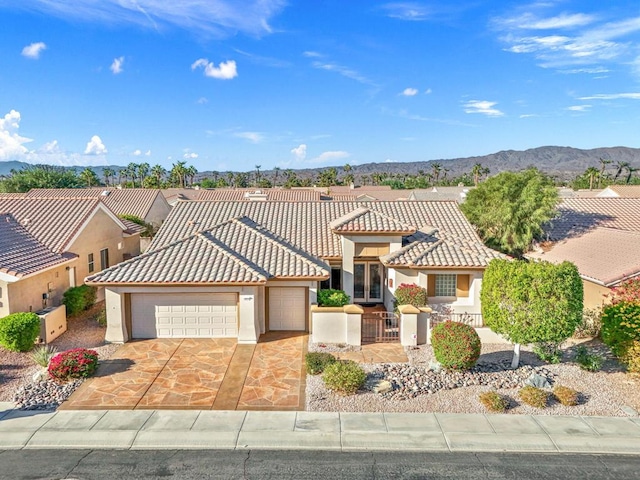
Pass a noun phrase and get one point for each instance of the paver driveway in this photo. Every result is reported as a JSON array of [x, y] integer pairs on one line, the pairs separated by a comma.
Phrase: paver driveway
[[199, 374]]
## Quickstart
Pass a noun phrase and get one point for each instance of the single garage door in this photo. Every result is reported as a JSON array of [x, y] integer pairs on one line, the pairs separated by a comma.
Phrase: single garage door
[[287, 308], [194, 315]]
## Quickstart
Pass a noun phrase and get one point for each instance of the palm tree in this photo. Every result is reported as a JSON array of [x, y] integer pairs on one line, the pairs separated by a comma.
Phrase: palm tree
[[133, 171], [107, 173], [477, 171], [89, 177], [143, 171], [276, 174], [191, 172], [158, 172], [257, 177], [619, 167], [178, 171], [630, 171], [592, 174], [436, 168], [603, 164]]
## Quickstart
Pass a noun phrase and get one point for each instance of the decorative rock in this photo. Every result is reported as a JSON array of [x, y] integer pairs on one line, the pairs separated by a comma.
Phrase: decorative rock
[[434, 366], [384, 386], [40, 375], [538, 381]]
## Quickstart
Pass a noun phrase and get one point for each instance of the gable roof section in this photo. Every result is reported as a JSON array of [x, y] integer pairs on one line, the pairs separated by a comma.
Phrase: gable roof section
[[54, 222], [365, 220], [125, 201], [580, 215], [628, 191], [21, 254], [271, 194], [238, 251], [430, 248], [306, 224]]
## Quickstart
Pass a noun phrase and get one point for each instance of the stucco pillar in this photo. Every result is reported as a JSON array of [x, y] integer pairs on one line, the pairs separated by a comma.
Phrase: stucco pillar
[[423, 325], [408, 325], [248, 328], [348, 251], [116, 317], [354, 324]]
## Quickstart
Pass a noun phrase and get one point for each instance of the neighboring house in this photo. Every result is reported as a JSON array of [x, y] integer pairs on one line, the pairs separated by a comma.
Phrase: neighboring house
[[174, 195], [601, 236], [239, 269], [627, 191], [51, 244], [457, 194], [259, 194], [146, 203]]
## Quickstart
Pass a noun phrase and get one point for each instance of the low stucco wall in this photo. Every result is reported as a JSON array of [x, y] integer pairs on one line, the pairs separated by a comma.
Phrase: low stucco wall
[[337, 324]]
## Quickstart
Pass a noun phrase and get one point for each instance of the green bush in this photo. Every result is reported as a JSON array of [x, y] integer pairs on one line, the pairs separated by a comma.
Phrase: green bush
[[76, 363], [333, 298], [455, 345], [317, 362], [494, 402], [566, 396], [344, 377], [78, 299], [42, 354], [536, 397], [591, 362], [410, 294], [101, 318], [149, 230], [590, 325], [620, 325], [630, 355], [19, 331], [548, 352]]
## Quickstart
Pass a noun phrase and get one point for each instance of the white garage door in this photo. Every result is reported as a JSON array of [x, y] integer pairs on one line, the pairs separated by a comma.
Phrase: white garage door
[[195, 315], [287, 308]]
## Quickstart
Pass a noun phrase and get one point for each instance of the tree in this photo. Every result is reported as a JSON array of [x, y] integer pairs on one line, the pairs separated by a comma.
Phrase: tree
[[620, 166], [531, 302], [142, 170], [478, 171], [108, 174], [191, 172], [276, 174], [178, 173], [328, 177], [257, 175], [436, 169], [508, 210], [158, 172], [39, 176], [630, 171], [592, 174], [132, 170], [89, 177], [603, 164]]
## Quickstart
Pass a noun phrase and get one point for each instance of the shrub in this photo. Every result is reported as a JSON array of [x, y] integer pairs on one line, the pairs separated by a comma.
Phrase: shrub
[[43, 354], [149, 230], [101, 318], [548, 352], [76, 363], [628, 291], [566, 396], [620, 324], [588, 361], [536, 397], [344, 377], [630, 355], [317, 362], [590, 325], [19, 331], [494, 402], [78, 299], [333, 298], [410, 294], [455, 345]]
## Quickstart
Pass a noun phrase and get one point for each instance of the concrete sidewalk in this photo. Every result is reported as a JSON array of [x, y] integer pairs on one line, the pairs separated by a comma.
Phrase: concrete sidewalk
[[192, 429]]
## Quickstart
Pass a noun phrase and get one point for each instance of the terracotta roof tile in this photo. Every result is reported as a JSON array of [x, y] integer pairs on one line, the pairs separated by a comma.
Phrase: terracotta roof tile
[[268, 194], [365, 220]]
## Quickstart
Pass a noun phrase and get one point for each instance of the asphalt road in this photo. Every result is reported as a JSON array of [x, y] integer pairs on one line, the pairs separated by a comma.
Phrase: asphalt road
[[234, 464]]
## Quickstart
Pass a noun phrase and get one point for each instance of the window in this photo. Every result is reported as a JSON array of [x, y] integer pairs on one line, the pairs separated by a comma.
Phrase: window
[[104, 258], [445, 285], [335, 281], [91, 265]]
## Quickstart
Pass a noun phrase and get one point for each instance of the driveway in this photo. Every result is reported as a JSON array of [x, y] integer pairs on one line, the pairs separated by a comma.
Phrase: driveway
[[199, 374]]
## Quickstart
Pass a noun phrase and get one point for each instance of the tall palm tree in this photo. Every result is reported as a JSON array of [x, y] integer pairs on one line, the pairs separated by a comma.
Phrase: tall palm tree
[[107, 173], [630, 171], [620, 166], [257, 177], [436, 169], [477, 171], [191, 172], [592, 174], [603, 165], [89, 177], [276, 174], [143, 172], [158, 172], [178, 172]]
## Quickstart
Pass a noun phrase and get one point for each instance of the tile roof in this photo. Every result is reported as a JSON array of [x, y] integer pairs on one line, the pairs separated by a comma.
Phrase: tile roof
[[432, 248], [235, 251], [20, 253], [365, 220], [628, 191], [125, 201], [579, 215], [457, 194], [306, 224], [604, 255], [271, 194]]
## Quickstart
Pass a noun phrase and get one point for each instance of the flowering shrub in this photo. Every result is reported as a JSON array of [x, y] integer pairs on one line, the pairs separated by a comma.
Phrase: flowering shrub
[[76, 363], [628, 291], [455, 345], [411, 294]]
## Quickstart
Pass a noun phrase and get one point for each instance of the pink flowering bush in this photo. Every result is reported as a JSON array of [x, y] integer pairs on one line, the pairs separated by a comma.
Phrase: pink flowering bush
[[410, 294], [76, 363]]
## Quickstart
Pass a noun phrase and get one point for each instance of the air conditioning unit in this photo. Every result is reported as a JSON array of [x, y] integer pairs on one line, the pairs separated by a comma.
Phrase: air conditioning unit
[[53, 323]]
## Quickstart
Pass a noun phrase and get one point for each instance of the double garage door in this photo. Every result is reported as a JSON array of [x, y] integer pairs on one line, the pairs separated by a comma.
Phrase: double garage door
[[194, 315]]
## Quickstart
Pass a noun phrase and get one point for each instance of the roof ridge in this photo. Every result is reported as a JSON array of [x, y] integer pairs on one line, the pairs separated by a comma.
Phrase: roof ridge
[[348, 217], [231, 254]]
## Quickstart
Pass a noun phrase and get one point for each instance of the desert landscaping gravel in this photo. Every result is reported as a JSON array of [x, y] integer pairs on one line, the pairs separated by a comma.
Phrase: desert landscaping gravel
[[602, 393]]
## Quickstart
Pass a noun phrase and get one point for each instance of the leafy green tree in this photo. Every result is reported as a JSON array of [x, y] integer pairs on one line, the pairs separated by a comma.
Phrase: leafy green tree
[[531, 302], [328, 177], [39, 176], [509, 209], [89, 177]]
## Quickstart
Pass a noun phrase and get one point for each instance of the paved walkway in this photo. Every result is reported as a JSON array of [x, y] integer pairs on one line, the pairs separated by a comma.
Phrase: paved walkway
[[191, 429]]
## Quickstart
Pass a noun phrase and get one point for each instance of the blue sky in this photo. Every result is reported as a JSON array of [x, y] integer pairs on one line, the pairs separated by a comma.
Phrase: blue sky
[[227, 85]]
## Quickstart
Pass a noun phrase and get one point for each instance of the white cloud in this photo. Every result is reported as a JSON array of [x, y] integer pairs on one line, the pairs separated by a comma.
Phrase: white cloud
[[411, 11], [253, 137], [342, 70], [428, 91], [410, 92], [190, 155], [11, 143], [330, 156], [33, 50], [312, 54], [300, 152], [225, 71], [219, 18], [531, 21], [579, 108], [137, 152], [50, 148], [613, 96], [95, 146], [202, 101], [482, 106], [147, 153], [116, 65]]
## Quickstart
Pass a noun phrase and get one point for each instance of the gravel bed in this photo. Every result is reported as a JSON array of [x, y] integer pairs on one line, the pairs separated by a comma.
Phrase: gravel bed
[[18, 369], [602, 393]]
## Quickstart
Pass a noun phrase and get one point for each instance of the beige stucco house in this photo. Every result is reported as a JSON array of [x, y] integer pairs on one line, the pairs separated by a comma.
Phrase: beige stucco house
[[50, 244], [239, 269]]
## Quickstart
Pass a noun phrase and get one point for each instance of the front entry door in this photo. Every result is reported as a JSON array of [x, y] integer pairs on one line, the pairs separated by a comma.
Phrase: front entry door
[[367, 282]]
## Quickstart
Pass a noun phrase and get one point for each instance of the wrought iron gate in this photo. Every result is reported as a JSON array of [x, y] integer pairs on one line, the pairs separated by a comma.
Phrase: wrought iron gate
[[380, 327]]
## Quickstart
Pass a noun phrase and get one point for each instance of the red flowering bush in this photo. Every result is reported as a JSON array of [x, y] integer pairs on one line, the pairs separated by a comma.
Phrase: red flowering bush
[[76, 363], [411, 294], [455, 345], [628, 292]]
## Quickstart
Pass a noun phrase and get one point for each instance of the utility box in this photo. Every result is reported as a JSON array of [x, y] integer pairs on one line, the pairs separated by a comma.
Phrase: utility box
[[53, 323]]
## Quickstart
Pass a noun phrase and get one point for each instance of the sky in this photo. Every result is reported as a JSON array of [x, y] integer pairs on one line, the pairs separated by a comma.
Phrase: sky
[[231, 84]]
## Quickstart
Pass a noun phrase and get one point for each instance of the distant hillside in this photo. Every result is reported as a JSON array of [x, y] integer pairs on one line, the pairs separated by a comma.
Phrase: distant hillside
[[562, 162]]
